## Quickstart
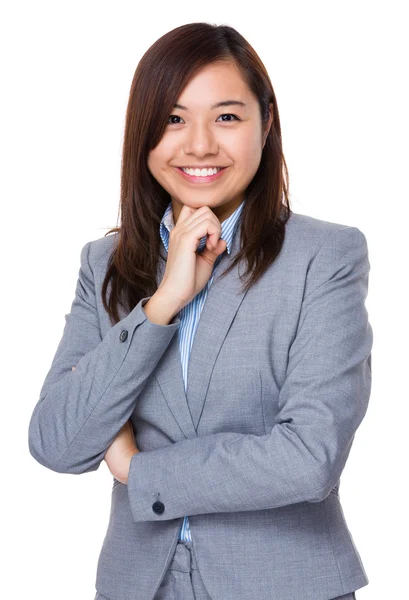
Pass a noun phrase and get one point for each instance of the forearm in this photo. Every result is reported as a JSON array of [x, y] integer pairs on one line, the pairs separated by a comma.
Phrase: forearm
[[229, 472], [80, 412]]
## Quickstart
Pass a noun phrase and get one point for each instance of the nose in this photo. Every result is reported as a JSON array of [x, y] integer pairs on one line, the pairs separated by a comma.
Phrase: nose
[[200, 140]]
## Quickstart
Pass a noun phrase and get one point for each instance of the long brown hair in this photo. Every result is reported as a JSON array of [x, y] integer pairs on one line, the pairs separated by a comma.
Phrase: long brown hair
[[160, 77]]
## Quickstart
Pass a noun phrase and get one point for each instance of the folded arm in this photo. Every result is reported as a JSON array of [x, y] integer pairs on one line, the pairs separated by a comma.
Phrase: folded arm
[[322, 402]]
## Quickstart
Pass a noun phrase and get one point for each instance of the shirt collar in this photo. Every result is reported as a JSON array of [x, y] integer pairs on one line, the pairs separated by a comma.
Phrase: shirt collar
[[229, 227]]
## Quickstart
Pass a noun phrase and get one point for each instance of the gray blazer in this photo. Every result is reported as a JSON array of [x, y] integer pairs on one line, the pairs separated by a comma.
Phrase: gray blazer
[[279, 381]]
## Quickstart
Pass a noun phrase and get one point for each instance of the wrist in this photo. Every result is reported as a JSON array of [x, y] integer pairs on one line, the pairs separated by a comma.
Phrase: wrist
[[159, 309]]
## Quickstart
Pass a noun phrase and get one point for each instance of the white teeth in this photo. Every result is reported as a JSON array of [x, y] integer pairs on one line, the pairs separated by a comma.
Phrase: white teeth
[[202, 172]]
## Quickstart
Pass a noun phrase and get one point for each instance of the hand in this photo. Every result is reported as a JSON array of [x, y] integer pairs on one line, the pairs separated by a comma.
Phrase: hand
[[187, 271], [120, 452]]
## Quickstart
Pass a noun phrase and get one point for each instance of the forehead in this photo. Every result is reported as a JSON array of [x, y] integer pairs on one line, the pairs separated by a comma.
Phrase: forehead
[[215, 83]]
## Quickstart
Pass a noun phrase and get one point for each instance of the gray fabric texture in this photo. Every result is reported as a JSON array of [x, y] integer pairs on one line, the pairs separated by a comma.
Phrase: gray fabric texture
[[278, 383]]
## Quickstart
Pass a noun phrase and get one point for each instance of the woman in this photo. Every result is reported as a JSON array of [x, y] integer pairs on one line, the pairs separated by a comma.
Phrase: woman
[[225, 412]]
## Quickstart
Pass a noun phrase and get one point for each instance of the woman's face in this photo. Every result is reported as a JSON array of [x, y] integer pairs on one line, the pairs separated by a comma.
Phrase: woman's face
[[202, 135]]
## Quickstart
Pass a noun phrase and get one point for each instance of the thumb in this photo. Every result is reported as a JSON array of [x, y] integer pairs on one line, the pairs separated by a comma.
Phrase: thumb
[[221, 246], [213, 253]]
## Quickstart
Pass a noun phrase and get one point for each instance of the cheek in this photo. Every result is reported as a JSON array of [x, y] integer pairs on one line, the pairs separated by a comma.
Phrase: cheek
[[151, 162], [247, 148], [157, 157], [165, 151], [250, 159]]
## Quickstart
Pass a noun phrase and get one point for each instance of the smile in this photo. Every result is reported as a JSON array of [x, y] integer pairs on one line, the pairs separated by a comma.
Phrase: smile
[[202, 178]]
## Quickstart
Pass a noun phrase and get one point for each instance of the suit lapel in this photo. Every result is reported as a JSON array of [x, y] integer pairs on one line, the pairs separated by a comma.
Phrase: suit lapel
[[223, 300]]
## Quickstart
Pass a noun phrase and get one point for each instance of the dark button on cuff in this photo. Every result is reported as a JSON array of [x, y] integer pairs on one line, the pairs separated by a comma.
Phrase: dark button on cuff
[[158, 507], [123, 335]]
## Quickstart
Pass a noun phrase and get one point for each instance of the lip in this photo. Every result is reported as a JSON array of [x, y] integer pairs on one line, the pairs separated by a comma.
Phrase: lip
[[194, 179]]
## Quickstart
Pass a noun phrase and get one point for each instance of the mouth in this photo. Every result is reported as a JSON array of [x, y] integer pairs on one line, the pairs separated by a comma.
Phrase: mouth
[[201, 179]]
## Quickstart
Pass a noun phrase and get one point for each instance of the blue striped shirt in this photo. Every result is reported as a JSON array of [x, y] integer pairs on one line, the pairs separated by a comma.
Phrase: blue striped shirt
[[189, 315]]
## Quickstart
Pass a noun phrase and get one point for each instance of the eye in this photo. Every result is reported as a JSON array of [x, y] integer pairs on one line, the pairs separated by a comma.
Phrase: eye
[[236, 118], [174, 117]]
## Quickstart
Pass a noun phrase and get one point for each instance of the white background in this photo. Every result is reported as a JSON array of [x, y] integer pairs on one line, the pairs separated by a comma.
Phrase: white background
[[340, 77]]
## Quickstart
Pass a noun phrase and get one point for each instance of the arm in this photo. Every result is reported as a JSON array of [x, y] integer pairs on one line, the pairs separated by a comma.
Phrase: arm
[[80, 412], [322, 402]]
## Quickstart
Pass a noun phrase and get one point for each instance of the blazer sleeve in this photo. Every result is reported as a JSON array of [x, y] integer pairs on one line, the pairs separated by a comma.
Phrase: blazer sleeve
[[79, 413], [321, 404]]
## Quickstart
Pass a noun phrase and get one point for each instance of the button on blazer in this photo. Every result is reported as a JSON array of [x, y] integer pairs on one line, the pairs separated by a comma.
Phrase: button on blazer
[[279, 380]]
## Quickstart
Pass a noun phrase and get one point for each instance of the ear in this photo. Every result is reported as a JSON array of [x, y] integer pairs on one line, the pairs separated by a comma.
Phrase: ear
[[268, 126]]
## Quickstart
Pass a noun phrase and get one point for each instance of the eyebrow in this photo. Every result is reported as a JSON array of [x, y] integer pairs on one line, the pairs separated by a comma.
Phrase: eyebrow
[[217, 105]]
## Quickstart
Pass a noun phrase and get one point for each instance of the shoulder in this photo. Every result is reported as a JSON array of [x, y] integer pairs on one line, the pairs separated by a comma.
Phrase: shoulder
[[311, 233], [101, 248], [95, 253]]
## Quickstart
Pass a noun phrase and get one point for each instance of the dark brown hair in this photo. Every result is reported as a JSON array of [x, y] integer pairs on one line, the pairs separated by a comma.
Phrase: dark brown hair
[[161, 75]]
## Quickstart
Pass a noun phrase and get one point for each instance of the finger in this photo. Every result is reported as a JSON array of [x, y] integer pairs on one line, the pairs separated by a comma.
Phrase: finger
[[73, 368], [195, 214], [184, 214], [204, 212], [213, 253], [206, 226]]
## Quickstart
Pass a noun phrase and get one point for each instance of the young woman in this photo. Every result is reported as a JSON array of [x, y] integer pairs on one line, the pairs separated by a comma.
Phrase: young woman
[[217, 354]]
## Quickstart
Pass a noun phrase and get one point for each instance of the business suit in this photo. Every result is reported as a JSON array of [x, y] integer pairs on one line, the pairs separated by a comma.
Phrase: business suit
[[279, 381]]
